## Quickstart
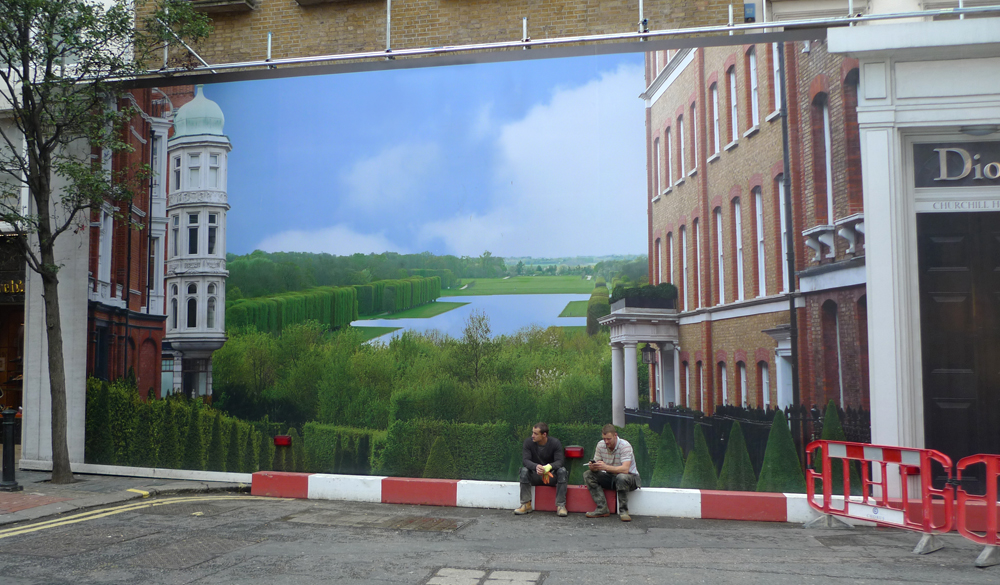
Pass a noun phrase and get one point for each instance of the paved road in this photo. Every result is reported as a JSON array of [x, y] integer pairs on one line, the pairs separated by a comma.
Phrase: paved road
[[232, 538]]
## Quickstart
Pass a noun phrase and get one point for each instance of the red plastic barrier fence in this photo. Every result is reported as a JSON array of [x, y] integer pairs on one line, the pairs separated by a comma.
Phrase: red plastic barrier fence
[[878, 507], [988, 500]]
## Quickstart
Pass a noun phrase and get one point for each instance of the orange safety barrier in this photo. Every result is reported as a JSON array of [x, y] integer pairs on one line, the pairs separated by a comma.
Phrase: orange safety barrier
[[879, 508], [987, 503]]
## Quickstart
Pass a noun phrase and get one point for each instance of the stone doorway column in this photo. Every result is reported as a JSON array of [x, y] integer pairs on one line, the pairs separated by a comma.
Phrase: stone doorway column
[[631, 376], [617, 385]]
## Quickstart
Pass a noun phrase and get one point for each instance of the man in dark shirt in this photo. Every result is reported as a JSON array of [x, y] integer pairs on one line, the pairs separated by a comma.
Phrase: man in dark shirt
[[542, 456]]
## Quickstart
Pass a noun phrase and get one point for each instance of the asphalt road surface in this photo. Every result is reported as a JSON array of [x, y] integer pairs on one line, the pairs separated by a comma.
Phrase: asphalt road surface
[[229, 538]]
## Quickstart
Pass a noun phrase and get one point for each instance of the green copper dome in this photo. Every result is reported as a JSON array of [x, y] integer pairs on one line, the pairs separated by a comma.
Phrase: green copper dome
[[199, 116]]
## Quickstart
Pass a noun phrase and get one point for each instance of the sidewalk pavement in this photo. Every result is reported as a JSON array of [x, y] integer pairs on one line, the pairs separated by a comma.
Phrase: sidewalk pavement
[[40, 498]]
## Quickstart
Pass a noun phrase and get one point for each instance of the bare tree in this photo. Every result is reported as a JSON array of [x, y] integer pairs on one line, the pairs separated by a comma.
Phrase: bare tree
[[61, 66]]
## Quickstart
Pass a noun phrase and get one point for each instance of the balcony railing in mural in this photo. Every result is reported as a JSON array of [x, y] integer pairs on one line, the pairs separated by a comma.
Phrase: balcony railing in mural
[[806, 425]]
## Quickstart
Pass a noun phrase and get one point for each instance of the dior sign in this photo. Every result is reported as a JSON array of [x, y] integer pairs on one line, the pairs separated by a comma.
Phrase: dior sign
[[960, 164]]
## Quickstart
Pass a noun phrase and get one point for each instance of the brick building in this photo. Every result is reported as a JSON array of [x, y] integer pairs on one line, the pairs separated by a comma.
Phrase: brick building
[[717, 225]]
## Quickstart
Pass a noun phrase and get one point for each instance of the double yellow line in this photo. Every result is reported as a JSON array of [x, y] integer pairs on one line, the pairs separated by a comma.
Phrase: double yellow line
[[104, 512]]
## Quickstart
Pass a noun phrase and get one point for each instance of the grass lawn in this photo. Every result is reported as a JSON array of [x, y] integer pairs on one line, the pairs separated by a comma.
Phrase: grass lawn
[[523, 285], [422, 312], [581, 329], [575, 309], [369, 333]]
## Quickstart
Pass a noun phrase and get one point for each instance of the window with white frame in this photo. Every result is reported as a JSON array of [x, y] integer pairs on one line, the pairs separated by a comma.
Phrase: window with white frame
[[210, 315], [715, 119], [177, 173], [720, 267], [657, 279], [669, 159], [734, 125], [213, 170], [192, 233], [765, 384], [680, 145], [744, 398], [723, 384], [175, 234], [776, 72], [738, 241], [670, 257], [173, 306], [687, 381], [828, 161], [697, 261], [192, 313], [104, 246], [702, 396], [656, 167], [758, 200], [754, 107], [780, 180], [694, 137], [684, 266], [154, 268], [194, 171], [213, 226]]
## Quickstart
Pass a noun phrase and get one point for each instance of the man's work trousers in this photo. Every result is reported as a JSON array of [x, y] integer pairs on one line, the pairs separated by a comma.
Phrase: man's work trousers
[[598, 481], [530, 478]]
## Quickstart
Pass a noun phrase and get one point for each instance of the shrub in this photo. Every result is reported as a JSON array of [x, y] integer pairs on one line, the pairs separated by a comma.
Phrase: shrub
[[194, 450], [833, 431], [597, 307], [781, 471], [440, 463], [481, 450], [669, 470], [216, 454], [298, 452], [699, 472], [336, 449], [265, 453], [251, 446], [234, 459], [737, 471], [123, 404], [98, 445], [143, 444], [170, 453]]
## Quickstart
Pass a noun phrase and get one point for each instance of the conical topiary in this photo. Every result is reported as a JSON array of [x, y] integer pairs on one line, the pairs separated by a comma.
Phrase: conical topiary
[[669, 470], [216, 455], [234, 462], [781, 470], [440, 463], [194, 450], [737, 471], [833, 431], [298, 453], [699, 472], [170, 452], [142, 445], [265, 452], [251, 444]]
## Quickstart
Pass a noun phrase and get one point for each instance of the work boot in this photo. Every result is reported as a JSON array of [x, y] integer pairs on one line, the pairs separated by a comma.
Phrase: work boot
[[624, 516], [599, 513], [561, 511], [524, 509]]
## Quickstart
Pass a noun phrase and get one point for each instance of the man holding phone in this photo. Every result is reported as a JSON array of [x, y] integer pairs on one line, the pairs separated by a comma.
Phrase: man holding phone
[[613, 467]]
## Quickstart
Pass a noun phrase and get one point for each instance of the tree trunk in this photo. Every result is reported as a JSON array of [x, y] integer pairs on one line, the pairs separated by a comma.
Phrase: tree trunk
[[61, 472]]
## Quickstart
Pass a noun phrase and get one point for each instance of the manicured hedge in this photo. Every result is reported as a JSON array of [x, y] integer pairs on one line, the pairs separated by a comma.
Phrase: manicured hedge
[[480, 451], [336, 449], [447, 278], [331, 306], [598, 306]]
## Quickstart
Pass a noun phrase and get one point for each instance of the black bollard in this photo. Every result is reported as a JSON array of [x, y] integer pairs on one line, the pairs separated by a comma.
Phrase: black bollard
[[9, 484]]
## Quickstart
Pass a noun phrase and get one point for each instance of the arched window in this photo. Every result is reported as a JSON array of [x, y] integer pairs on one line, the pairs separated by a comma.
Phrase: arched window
[[680, 145], [656, 168], [211, 289], [758, 200], [822, 159], [669, 254], [687, 383], [720, 268], [694, 137], [723, 384], [658, 263], [173, 313], [734, 124], [684, 266], [697, 261], [210, 316], [752, 78], [670, 160], [783, 261], [702, 398], [764, 381], [744, 394], [832, 359], [738, 246], [852, 143], [192, 289], [715, 118], [776, 76], [192, 313]]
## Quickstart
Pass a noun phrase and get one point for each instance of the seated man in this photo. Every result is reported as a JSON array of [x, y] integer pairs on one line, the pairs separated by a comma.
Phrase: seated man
[[613, 467], [542, 456]]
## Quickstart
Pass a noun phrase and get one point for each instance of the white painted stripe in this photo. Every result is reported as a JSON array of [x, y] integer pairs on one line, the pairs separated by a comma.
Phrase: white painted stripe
[[671, 502], [152, 472], [797, 508], [837, 450], [487, 494], [873, 454], [352, 488], [910, 457]]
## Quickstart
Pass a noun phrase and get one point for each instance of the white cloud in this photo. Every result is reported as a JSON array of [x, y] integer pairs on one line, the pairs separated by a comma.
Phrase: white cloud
[[340, 240], [391, 179], [570, 178]]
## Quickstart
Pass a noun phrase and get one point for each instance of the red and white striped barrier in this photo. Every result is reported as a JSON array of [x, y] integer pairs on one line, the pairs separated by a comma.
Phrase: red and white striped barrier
[[706, 504]]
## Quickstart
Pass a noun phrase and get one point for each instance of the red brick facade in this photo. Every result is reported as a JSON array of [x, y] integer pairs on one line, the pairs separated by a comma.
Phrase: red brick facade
[[716, 227]]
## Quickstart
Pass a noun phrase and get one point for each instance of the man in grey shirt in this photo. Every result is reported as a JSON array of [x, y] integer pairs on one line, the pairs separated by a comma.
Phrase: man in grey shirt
[[542, 457], [613, 467]]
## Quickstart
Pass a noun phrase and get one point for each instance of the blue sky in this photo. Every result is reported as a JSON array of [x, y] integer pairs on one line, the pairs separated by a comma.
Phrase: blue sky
[[528, 158]]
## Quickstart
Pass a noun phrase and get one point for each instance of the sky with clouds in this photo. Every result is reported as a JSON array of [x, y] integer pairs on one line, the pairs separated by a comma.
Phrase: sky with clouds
[[527, 158]]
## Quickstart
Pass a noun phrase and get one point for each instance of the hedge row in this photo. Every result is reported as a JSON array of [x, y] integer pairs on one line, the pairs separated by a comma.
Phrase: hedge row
[[122, 429], [390, 296], [598, 306], [336, 449], [480, 451], [446, 276], [331, 306]]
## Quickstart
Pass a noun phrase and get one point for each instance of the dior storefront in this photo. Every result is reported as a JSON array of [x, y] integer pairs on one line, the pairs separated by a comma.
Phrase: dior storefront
[[929, 116]]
